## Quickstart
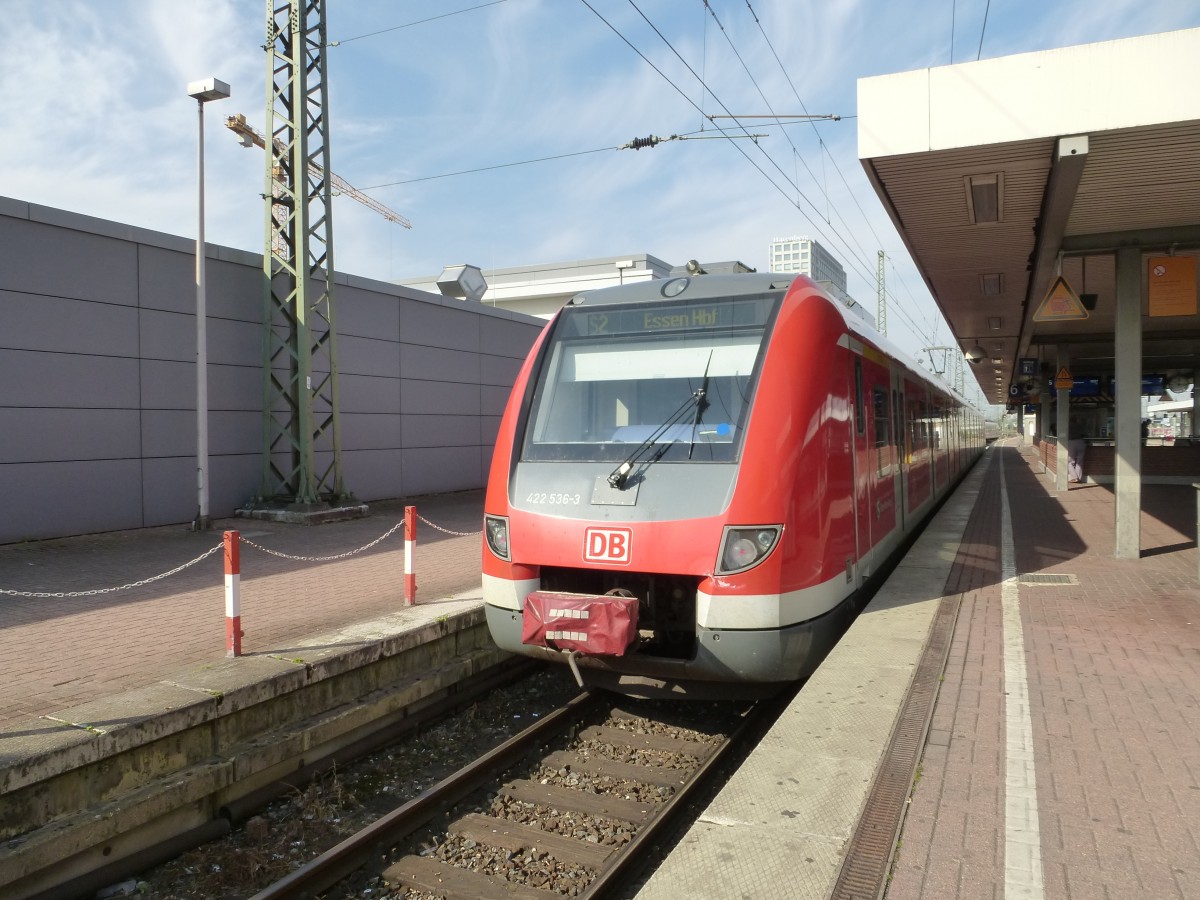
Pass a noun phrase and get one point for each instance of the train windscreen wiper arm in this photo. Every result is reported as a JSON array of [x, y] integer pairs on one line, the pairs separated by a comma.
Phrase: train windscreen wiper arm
[[701, 403], [619, 475]]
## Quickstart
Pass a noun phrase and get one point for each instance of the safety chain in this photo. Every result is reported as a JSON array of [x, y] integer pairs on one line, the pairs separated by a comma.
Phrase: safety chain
[[110, 590], [244, 540], [281, 555], [447, 530]]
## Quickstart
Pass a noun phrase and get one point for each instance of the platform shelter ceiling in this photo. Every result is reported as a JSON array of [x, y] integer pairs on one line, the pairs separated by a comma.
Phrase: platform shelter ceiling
[[1001, 174]]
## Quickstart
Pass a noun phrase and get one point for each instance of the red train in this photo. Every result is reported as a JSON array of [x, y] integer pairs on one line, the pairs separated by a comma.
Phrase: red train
[[696, 479]]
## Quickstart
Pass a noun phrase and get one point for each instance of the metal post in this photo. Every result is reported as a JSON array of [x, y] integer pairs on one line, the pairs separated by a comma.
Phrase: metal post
[[410, 541], [233, 594], [203, 522], [203, 91]]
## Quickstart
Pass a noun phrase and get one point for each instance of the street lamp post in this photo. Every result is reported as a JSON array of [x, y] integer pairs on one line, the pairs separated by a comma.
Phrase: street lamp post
[[204, 90]]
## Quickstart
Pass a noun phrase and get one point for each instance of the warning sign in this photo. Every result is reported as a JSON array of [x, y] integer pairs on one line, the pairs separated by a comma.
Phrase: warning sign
[[1063, 381], [1061, 304]]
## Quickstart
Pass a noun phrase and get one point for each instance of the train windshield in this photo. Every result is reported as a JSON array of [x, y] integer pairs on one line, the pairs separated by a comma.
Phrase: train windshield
[[616, 377]]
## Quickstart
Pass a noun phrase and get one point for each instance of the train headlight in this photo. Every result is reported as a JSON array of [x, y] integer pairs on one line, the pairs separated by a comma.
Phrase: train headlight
[[744, 548], [495, 530]]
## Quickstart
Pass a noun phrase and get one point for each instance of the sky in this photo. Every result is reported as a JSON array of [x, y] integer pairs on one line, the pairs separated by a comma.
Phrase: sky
[[96, 120]]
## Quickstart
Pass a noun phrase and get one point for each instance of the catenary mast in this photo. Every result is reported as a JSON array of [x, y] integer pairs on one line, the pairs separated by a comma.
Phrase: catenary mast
[[301, 442]]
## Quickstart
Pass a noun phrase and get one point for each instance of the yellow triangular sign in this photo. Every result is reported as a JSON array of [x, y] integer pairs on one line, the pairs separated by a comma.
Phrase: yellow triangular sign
[[1061, 304]]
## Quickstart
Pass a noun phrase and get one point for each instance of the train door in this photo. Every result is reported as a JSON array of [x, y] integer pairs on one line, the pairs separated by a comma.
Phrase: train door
[[918, 482], [903, 460], [862, 471]]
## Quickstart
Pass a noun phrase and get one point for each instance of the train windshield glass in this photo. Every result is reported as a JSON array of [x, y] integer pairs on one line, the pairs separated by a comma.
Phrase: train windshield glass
[[614, 377]]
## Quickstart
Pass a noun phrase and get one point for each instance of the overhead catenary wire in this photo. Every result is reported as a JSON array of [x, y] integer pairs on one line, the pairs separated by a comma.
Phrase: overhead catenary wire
[[812, 121], [635, 144], [456, 12], [982, 30], [795, 151], [727, 134], [855, 260], [916, 331], [711, 93]]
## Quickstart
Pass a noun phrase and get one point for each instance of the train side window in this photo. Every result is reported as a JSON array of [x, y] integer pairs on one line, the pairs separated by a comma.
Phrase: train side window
[[883, 430], [860, 424]]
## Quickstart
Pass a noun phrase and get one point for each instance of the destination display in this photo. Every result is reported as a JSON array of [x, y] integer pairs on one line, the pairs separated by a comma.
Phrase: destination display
[[674, 317]]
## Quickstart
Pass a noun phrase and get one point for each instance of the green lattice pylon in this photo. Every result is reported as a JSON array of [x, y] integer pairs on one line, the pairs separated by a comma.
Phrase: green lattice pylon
[[301, 442]]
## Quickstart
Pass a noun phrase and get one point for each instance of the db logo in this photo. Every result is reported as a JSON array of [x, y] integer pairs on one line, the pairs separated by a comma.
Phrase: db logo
[[608, 545]]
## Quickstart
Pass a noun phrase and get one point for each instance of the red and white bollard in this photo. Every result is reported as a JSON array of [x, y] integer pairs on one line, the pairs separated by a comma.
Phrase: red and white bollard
[[233, 594], [410, 540]]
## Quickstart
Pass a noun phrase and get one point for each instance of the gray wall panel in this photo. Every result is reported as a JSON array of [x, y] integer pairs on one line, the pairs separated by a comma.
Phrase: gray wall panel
[[362, 431], [434, 470], [439, 431], [168, 432], [170, 491], [432, 325], [498, 370], [170, 385], [233, 343], [166, 280], [233, 387], [233, 480], [503, 337], [67, 326], [433, 364], [489, 427], [234, 432], [167, 335], [34, 434], [32, 255], [368, 356], [436, 397], [493, 398], [172, 432], [366, 394], [97, 359], [366, 313], [231, 291], [374, 475], [52, 499], [65, 379]]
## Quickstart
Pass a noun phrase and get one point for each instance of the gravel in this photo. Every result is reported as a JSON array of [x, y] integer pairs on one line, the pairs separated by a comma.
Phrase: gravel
[[299, 827]]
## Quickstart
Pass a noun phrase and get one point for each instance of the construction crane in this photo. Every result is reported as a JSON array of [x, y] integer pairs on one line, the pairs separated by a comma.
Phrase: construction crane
[[338, 185]]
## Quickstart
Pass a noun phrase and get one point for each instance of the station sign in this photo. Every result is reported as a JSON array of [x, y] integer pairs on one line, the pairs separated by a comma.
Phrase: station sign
[[1027, 366]]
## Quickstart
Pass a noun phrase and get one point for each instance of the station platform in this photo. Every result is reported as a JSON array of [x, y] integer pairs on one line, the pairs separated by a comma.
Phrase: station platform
[[1057, 753], [60, 652], [1015, 714]]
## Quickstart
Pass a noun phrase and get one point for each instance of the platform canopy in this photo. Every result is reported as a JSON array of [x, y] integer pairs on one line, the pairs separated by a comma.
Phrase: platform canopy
[[1000, 175]]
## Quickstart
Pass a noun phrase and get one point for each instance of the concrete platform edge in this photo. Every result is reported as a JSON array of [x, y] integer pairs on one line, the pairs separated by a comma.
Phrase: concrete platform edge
[[781, 826]]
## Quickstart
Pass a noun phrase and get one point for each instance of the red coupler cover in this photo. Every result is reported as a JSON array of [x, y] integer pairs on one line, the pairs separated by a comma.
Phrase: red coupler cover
[[598, 625]]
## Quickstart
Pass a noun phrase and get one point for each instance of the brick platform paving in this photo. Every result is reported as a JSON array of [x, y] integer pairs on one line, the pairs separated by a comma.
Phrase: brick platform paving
[[58, 652], [1113, 668]]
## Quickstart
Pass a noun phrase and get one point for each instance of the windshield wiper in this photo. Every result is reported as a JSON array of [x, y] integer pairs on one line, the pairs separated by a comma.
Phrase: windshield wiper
[[620, 474], [701, 403]]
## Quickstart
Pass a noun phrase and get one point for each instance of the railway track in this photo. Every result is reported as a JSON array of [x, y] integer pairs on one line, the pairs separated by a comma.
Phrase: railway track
[[565, 808]]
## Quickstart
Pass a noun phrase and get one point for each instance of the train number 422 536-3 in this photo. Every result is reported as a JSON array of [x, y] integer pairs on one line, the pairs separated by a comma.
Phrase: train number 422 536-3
[[550, 499]]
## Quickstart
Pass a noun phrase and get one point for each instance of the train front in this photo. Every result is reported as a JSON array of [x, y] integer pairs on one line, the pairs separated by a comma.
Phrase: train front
[[610, 527]]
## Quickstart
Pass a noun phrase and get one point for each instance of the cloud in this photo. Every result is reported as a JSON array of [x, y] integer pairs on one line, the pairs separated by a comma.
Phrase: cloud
[[100, 122]]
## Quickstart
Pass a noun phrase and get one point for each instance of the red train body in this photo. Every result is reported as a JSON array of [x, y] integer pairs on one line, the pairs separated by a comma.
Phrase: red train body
[[731, 459]]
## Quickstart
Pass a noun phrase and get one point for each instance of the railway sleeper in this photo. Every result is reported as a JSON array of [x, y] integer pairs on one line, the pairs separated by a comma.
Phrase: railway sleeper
[[658, 776]]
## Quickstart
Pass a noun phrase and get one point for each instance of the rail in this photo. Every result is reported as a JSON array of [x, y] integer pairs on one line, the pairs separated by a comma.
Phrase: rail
[[560, 742]]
